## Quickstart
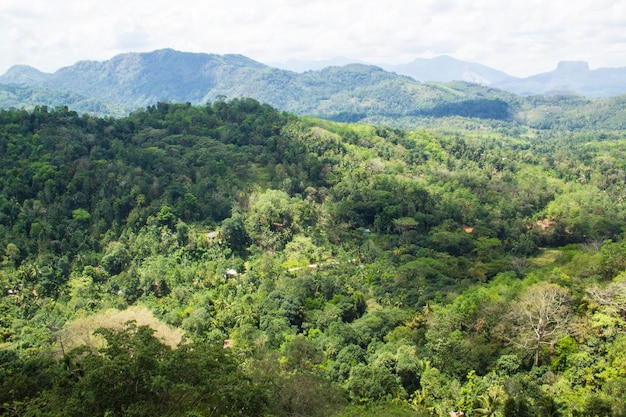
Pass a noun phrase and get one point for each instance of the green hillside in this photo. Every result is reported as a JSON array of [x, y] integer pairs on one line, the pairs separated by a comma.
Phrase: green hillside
[[351, 93], [23, 97], [279, 265]]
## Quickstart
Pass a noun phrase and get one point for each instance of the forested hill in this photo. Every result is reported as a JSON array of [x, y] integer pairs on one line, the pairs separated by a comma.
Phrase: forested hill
[[351, 93], [277, 265]]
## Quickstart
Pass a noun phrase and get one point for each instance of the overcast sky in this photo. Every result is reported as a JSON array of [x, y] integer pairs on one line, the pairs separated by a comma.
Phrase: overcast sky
[[520, 37]]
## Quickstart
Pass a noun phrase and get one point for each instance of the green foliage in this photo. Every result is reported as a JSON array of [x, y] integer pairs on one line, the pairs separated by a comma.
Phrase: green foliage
[[135, 374], [514, 407], [270, 220], [344, 267], [372, 383], [116, 258], [387, 408], [350, 93]]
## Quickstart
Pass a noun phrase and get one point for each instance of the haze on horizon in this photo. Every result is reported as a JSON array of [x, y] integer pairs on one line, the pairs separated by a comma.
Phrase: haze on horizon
[[521, 38]]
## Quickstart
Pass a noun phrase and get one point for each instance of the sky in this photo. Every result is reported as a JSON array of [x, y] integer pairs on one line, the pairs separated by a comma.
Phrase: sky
[[520, 37]]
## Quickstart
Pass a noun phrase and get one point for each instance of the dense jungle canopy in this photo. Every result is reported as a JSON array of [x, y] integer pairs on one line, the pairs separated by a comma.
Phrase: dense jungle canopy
[[232, 260]]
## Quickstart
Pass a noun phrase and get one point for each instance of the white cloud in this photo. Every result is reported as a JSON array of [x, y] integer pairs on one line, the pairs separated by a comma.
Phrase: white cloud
[[521, 37]]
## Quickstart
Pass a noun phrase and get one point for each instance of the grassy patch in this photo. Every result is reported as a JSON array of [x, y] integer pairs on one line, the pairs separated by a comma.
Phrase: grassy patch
[[79, 332], [546, 257]]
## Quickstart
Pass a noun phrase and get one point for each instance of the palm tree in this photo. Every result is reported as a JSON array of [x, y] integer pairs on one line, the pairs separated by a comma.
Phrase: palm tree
[[490, 402], [419, 400], [550, 407]]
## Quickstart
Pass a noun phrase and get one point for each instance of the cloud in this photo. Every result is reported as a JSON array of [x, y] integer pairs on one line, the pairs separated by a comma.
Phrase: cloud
[[132, 40], [521, 37]]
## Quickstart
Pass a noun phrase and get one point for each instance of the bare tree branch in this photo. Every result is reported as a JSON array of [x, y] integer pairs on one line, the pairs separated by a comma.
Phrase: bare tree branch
[[539, 317]]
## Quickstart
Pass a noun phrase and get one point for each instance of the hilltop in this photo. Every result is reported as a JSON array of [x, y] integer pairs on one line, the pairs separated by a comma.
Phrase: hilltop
[[352, 92]]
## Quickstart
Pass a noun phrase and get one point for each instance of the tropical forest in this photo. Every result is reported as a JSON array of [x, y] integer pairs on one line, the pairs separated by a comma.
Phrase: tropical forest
[[232, 259]]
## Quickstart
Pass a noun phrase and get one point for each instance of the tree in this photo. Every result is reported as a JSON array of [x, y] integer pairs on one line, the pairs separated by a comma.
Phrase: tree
[[539, 317], [11, 255], [490, 402], [596, 405], [612, 297], [404, 224], [516, 407], [613, 260], [372, 383], [270, 219], [116, 258], [293, 385], [550, 407], [166, 217], [135, 374], [234, 232]]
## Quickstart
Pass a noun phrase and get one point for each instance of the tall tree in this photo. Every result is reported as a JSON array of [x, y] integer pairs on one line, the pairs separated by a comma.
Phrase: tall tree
[[539, 317]]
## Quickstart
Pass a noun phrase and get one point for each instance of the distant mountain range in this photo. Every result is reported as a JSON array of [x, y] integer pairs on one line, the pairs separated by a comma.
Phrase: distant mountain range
[[445, 68], [351, 92], [569, 77]]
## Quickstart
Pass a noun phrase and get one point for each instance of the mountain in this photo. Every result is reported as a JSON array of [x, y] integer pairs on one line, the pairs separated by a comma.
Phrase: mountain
[[570, 77], [24, 75], [351, 93], [135, 80], [445, 68], [18, 96], [297, 65], [354, 92]]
